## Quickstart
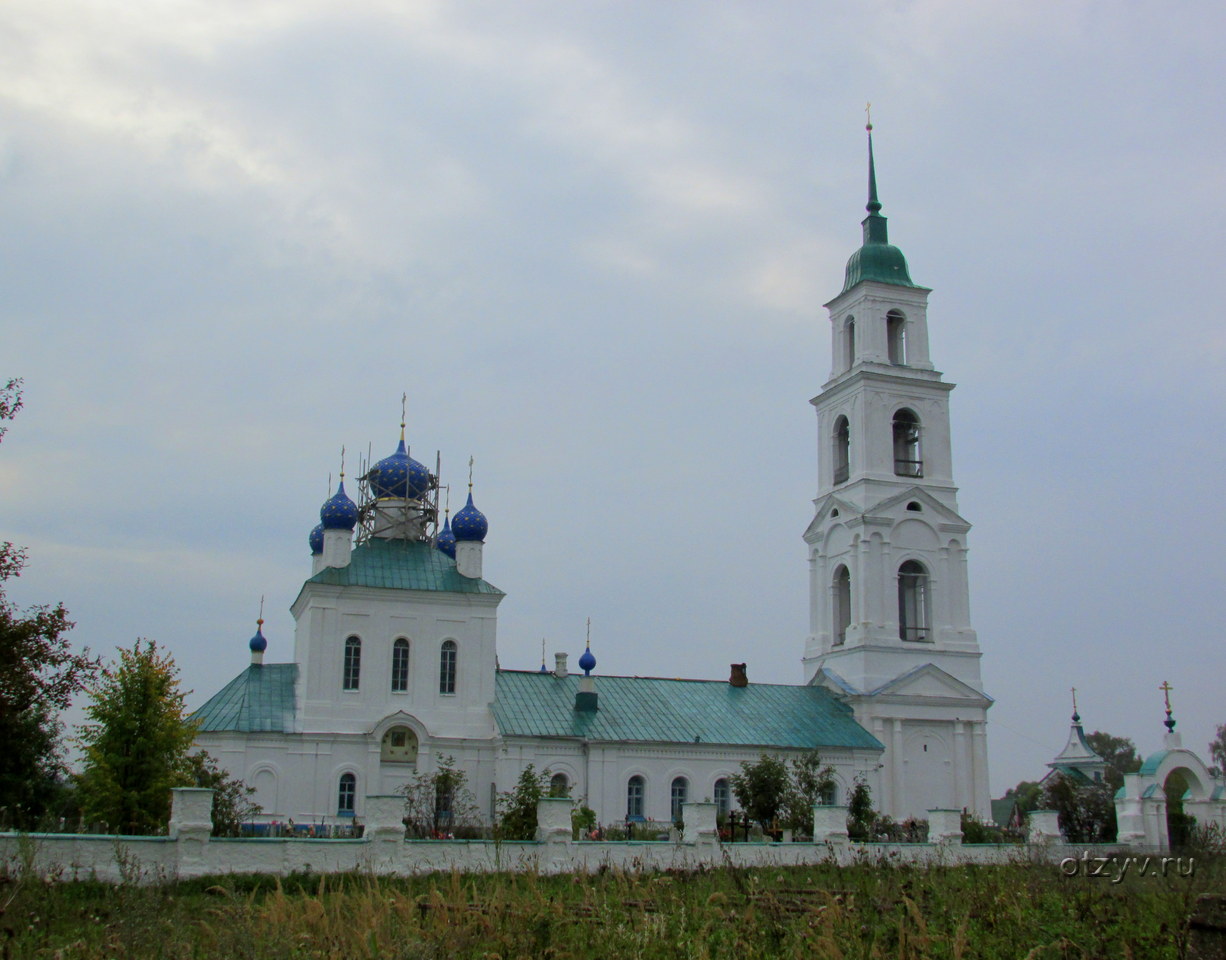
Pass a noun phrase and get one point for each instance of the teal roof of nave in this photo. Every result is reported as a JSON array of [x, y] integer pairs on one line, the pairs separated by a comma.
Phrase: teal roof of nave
[[654, 709], [258, 700], [402, 565]]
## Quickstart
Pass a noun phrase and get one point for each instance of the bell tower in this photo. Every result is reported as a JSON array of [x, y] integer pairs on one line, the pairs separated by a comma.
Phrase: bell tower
[[890, 628]]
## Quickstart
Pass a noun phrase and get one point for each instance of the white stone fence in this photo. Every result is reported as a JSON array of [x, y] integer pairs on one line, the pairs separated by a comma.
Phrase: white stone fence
[[190, 851]]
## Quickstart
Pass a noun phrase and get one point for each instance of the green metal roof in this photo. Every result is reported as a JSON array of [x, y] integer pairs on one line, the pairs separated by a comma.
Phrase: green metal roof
[[402, 565], [258, 700], [533, 704], [1002, 810]]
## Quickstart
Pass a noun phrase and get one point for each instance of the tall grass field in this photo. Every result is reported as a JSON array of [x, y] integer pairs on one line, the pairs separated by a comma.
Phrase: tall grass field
[[864, 911]]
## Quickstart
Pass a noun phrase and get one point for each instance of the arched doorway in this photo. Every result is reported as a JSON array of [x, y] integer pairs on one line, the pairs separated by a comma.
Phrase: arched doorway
[[1179, 824]]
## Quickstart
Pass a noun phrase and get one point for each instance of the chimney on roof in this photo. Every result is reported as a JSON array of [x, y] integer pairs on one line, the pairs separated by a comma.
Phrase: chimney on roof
[[739, 678], [559, 668]]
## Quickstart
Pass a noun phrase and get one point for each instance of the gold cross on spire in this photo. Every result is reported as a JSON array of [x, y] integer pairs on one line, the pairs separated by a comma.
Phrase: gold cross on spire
[[470, 474], [1166, 689], [868, 116], [342, 463], [1074, 689], [404, 399]]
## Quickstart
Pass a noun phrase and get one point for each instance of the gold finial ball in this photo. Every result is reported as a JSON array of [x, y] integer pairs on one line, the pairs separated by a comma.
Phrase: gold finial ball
[[260, 622], [868, 127]]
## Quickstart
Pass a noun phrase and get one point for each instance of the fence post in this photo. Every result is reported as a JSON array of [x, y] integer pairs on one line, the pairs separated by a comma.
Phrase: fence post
[[384, 827], [699, 823], [1044, 827], [191, 825], [553, 829], [945, 826], [830, 824]]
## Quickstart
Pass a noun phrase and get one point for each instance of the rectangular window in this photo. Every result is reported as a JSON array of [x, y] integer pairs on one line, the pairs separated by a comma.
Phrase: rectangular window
[[352, 672], [400, 666], [446, 667]]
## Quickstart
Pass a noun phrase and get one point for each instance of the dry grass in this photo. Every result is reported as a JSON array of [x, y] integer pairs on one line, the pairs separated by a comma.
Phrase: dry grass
[[862, 912]]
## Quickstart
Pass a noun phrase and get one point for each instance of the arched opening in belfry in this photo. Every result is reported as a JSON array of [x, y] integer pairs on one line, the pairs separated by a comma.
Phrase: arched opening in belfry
[[842, 450], [913, 601], [896, 337], [908, 462], [842, 604], [849, 343]]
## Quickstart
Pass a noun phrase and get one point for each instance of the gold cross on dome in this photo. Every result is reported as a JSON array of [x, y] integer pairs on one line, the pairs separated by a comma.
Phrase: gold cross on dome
[[1166, 689]]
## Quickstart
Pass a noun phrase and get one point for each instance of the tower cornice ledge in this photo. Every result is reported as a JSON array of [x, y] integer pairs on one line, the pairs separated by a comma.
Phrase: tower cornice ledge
[[883, 373]]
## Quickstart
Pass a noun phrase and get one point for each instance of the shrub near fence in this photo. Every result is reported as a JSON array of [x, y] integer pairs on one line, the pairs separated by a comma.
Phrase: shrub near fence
[[190, 851]]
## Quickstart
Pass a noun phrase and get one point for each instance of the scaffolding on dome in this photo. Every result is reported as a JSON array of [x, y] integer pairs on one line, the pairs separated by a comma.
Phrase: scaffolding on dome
[[397, 518]]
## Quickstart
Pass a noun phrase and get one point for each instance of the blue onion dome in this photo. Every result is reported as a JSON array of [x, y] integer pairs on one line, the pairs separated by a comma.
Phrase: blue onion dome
[[587, 662], [258, 643], [445, 541], [339, 512], [399, 476], [316, 540], [470, 523]]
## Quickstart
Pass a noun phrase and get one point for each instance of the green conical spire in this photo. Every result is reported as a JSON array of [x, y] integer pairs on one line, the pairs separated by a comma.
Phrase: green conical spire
[[873, 205], [876, 259], [874, 223]]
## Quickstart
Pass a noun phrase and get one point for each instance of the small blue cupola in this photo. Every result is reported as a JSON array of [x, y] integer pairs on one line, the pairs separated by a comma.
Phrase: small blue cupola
[[587, 662], [470, 523], [399, 476], [339, 512], [445, 541], [316, 540], [258, 644]]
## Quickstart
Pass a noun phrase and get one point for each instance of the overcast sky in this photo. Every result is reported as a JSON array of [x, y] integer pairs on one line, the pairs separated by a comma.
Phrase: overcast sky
[[592, 241]]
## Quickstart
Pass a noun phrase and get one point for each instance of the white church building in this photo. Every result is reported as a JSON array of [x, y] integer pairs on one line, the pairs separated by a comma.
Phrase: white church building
[[395, 658]]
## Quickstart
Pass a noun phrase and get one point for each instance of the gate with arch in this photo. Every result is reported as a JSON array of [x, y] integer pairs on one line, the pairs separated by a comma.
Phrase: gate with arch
[[1170, 782]]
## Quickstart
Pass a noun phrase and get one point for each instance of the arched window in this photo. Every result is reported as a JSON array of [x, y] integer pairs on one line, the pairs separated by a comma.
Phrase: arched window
[[829, 795], [913, 601], [352, 673], [896, 336], [559, 785], [849, 342], [346, 795], [634, 797], [723, 798], [399, 746], [907, 459], [842, 450], [400, 665], [446, 667], [842, 604], [678, 795]]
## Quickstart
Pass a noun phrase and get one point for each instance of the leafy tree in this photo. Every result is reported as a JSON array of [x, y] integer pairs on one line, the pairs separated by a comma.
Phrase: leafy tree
[[136, 747], [437, 804], [39, 674], [1217, 749], [232, 803], [1028, 794], [761, 789], [861, 817], [1086, 810], [517, 807], [1120, 754], [810, 783]]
